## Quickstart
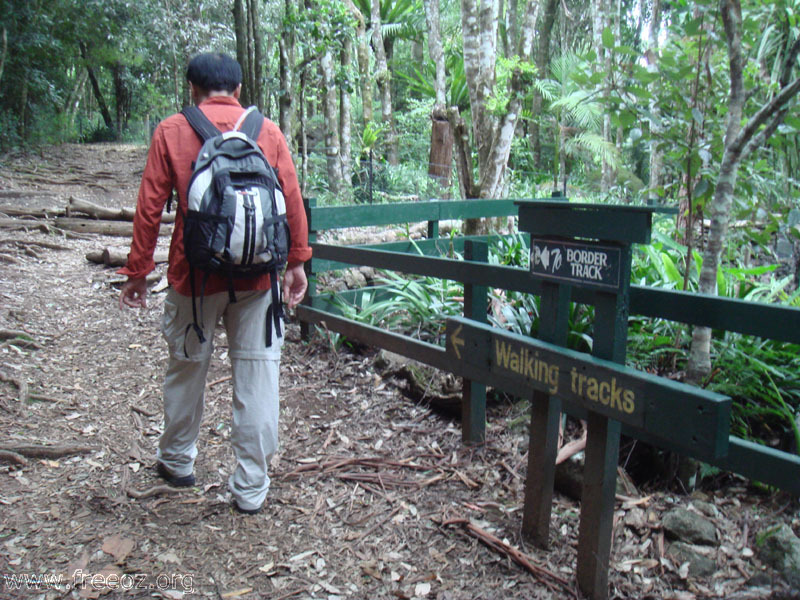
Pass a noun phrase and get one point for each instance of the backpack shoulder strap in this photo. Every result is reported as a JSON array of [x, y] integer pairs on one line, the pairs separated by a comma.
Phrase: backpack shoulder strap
[[204, 128], [251, 124]]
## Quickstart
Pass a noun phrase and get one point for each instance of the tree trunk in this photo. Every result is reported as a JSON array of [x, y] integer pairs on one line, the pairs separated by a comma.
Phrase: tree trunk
[[739, 143], [544, 28], [119, 97], [3, 52], [513, 22], [303, 136], [362, 55], [461, 146], [286, 46], [656, 154], [330, 110], [256, 68], [384, 79], [441, 153], [479, 30], [98, 94], [436, 52], [74, 99], [492, 135], [242, 54], [346, 118]]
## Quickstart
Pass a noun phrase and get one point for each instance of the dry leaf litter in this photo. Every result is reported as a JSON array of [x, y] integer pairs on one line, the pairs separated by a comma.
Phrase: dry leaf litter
[[373, 496]]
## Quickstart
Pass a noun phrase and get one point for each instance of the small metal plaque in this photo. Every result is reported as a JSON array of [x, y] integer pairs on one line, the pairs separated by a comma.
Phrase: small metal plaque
[[583, 263]]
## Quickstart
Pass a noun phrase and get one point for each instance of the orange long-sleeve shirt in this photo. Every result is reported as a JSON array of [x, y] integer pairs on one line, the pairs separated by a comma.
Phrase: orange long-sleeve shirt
[[169, 166]]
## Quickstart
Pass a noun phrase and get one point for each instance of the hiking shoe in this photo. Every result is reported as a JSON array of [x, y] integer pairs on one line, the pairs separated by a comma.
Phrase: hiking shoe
[[246, 511], [172, 479]]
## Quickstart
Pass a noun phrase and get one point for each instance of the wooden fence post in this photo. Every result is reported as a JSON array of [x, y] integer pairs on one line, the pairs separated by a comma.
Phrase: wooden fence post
[[602, 444], [473, 403], [305, 327], [544, 425]]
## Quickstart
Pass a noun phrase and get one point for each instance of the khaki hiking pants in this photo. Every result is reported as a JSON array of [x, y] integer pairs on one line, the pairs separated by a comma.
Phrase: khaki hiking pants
[[254, 366]]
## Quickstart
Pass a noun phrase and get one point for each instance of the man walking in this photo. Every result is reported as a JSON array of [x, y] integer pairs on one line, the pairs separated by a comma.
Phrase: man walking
[[215, 82]]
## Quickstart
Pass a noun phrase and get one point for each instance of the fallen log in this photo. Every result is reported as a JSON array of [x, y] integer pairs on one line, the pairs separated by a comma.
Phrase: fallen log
[[10, 223], [7, 258], [78, 205], [31, 243], [36, 213], [118, 257], [36, 451], [157, 490], [113, 228], [8, 456]]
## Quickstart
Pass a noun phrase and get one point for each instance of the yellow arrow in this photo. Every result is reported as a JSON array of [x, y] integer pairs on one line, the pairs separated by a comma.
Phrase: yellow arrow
[[457, 341]]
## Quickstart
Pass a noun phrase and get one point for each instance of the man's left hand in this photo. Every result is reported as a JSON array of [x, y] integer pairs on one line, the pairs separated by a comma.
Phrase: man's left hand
[[295, 285]]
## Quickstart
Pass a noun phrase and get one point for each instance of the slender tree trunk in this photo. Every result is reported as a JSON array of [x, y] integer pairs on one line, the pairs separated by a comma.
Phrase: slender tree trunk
[[98, 94], [739, 142], [302, 129], [513, 23], [479, 30], [599, 22], [362, 55], [286, 46], [491, 176], [384, 79], [441, 153], [330, 111], [74, 100], [656, 154], [544, 28], [346, 117], [258, 53], [240, 26], [119, 96], [461, 146], [492, 135], [22, 110], [3, 52]]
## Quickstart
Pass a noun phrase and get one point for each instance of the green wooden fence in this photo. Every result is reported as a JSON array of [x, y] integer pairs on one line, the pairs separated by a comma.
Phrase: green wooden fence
[[756, 462]]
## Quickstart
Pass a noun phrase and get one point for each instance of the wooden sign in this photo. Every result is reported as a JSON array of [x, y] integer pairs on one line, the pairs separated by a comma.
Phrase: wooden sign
[[520, 364], [577, 263]]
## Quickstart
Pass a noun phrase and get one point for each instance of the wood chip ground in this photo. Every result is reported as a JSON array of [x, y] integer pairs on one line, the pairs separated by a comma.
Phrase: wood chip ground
[[372, 496]]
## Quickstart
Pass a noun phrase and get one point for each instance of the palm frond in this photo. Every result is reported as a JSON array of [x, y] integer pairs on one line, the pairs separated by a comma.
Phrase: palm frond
[[581, 108], [595, 145]]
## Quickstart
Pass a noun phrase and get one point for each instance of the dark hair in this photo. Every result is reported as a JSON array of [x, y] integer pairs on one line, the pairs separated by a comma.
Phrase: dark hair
[[214, 72]]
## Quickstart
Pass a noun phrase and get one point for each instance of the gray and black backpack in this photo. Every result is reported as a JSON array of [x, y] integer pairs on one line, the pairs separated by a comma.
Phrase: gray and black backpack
[[235, 225]]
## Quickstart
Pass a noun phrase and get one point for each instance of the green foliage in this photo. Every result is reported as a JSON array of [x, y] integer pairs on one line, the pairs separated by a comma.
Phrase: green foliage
[[399, 18], [417, 307], [420, 79], [763, 378]]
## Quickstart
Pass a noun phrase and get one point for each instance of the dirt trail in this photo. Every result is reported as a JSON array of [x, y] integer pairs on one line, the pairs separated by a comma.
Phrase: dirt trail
[[364, 479]]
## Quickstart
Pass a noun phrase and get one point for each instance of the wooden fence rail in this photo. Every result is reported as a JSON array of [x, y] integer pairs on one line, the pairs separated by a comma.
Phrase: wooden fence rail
[[754, 461]]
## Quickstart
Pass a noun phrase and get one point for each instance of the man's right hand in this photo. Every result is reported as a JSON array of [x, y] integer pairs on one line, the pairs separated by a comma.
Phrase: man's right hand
[[134, 293]]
